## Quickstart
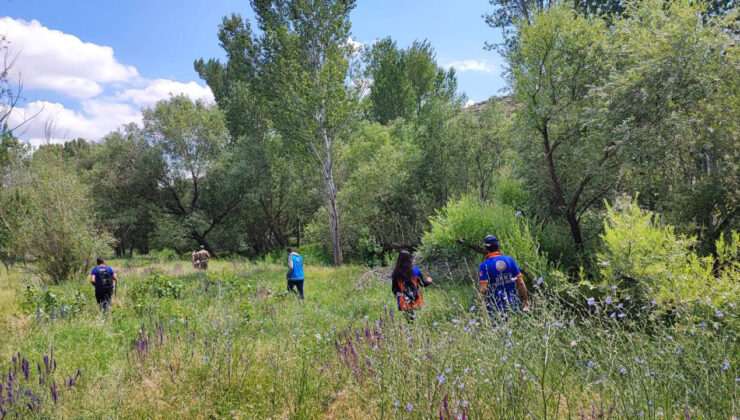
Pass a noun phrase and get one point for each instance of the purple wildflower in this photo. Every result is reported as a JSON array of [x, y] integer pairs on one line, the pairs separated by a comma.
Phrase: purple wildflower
[[719, 314], [608, 300], [725, 365], [591, 301], [623, 371], [409, 407]]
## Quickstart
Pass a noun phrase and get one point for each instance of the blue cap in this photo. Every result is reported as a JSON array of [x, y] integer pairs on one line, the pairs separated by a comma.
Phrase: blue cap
[[491, 241]]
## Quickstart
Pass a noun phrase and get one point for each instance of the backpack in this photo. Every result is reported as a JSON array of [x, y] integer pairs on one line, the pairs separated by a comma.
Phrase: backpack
[[104, 278]]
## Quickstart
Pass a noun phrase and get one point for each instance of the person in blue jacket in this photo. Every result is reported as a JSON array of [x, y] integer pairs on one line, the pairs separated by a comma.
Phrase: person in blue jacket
[[295, 274], [104, 279], [500, 279]]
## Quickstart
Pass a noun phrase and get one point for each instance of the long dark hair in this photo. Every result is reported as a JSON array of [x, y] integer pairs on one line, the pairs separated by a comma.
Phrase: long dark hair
[[404, 268]]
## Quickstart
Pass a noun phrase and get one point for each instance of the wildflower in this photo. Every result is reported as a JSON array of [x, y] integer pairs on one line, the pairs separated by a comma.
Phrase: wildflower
[[573, 343], [518, 213], [702, 324], [623, 371], [397, 403], [504, 358], [448, 370], [232, 412], [591, 301], [612, 315], [318, 336], [540, 281], [608, 300], [440, 378], [435, 323], [628, 297], [637, 359], [621, 315], [605, 263], [464, 403], [455, 320], [558, 324], [679, 351], [472, 308], [725, 365], [591, 364], [719, 314], [517, 365], [213, 323], [472, 322], [620, 305], [653, 302], [466, 370], [409, 407]]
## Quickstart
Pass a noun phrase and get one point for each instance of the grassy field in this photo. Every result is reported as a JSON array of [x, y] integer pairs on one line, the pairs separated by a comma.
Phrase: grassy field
[[233, 344]]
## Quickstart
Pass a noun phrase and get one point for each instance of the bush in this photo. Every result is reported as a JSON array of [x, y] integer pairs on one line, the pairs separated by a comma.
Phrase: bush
[[472, 220], [57, 228], [46, 304], [651, 263], [146, 294]]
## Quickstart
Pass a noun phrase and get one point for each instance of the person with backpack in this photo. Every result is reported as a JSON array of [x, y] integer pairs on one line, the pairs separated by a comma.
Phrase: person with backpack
[[405, 282], [500, 279], [104, 279], [295, 274], [202, 257]]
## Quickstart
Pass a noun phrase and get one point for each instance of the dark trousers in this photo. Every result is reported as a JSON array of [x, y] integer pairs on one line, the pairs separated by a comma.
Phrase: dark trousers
[[296, 284], [103, 295]]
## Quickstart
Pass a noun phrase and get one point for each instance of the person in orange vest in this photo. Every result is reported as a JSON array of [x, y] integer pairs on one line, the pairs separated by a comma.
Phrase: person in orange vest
[[405, 282], [500, 279]]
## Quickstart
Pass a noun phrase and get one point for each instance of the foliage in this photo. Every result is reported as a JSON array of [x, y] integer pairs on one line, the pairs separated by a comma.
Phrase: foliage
[[650, 262], [147, 294], [472, 220], [47, 303], [191, 139], [56, 227]]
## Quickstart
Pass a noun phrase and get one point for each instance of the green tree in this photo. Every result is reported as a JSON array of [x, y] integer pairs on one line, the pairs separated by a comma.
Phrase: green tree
[[406, 81], [194, 187], [123, 180], [304, 67], [55, 229], [556, 59]]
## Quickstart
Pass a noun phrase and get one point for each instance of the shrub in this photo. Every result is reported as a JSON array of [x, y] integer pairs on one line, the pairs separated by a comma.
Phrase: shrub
[[47, 304], [652, 263], [472, 220], [145, 294], [55, 230]]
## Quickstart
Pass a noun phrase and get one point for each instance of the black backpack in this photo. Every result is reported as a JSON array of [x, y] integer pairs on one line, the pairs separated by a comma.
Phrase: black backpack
[[104, 279]]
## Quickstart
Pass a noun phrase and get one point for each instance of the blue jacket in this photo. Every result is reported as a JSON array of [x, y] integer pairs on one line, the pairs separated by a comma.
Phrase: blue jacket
[[295, 264]]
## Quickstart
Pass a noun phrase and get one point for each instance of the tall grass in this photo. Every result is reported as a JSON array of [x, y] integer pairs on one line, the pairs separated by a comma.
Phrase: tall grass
[[234, 344]]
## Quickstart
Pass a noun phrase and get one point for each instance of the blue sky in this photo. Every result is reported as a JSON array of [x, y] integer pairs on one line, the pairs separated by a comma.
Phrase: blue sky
[[88, 90]]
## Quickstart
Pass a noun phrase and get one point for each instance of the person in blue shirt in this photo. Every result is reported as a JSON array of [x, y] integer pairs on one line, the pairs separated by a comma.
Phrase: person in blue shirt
[[104, 279], [295, 272], [500, 279]]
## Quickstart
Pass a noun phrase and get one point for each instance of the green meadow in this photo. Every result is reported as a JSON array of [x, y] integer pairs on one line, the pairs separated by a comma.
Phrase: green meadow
[[232, 343]]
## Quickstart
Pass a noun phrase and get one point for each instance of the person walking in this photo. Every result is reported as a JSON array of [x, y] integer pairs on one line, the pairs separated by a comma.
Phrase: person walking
[[202, 258], [105, 280], [295, 274], [500, 279], [405, 282]]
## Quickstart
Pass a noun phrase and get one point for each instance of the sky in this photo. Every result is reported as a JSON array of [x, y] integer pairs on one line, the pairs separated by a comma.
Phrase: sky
[[88, 67]]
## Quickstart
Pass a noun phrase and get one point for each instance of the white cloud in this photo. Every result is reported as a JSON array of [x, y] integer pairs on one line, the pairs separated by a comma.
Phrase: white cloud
[[53, 60], [47, 59], [473, 65], [469, 102], [159, 89], [97, 118]]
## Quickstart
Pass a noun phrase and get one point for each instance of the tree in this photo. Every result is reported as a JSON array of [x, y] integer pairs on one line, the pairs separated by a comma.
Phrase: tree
[[192, 139], [557, 57], [280, 187], [55, 228], [303, 66], [123, 179], [406, 81]]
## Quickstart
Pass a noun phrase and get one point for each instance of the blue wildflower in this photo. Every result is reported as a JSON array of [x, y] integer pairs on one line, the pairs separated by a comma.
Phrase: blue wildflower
[[409, 407], [725, 365], [591, 301], [440, 378]]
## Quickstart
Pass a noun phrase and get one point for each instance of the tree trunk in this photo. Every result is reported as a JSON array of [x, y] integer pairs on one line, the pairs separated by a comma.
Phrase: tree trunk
[[575, 229], [202, 241], [336, 239]]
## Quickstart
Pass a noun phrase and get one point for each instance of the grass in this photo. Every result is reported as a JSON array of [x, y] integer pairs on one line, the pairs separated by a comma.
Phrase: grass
[[235, 345]]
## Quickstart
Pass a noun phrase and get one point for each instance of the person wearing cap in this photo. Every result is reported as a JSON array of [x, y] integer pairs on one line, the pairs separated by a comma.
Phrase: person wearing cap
[[500, 279]]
